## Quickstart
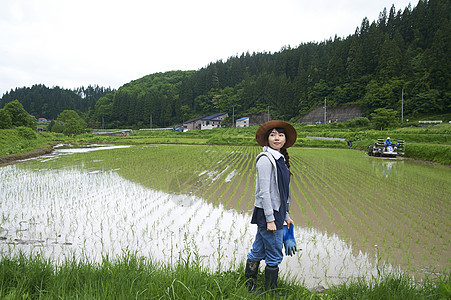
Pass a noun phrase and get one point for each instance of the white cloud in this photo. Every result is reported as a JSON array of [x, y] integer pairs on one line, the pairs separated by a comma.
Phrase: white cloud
[[107, 42]]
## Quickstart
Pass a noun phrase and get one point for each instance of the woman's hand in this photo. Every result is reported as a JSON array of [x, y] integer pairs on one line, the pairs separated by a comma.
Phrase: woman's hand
[[271, 226], [289, 223]]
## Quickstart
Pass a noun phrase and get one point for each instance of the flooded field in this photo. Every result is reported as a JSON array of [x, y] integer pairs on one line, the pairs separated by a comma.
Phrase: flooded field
[[354, 215]]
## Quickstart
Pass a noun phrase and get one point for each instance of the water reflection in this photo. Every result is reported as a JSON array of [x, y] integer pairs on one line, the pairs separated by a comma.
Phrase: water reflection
[[386, 167], [70, 212], [67, 149], [75, 148]]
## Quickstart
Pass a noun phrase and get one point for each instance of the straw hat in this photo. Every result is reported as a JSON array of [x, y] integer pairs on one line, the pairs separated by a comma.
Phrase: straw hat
[[291, 133]]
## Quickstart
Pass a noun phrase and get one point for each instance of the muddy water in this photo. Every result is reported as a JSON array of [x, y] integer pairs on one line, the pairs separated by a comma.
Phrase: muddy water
[[65, 212], [350, 211], [394, 210]]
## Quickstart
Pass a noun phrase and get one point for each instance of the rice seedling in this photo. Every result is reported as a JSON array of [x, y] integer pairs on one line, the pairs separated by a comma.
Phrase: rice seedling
[[174, 202]]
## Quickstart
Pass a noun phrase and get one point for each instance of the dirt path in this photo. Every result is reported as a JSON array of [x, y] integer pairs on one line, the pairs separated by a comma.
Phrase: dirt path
[[13, 158]]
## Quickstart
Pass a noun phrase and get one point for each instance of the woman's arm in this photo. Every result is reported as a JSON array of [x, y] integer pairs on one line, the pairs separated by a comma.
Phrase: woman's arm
[[264, 169]]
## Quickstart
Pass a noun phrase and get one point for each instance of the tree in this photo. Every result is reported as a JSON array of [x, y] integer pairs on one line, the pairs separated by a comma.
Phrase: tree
[[401, 50], [42, 101], [382, 118], [19, 116], [5, 119], [427, 102], [103, 109], [56, 127], [391, 63], [71, 122], [359, 121]]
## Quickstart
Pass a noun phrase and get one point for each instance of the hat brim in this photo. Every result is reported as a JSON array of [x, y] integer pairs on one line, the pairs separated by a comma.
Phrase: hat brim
[[291, 134]]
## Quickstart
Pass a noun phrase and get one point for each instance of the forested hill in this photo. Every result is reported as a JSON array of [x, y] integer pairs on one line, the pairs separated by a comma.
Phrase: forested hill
[[41, 101], [404, 49]]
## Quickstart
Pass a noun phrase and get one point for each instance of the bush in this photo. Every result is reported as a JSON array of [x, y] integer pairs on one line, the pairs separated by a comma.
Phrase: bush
[[358, 122], [436, 152], [26, 132], [5, 119]]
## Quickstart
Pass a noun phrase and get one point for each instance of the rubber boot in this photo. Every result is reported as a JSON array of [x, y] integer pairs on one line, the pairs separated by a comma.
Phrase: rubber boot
[[271, 275], [250, 274]]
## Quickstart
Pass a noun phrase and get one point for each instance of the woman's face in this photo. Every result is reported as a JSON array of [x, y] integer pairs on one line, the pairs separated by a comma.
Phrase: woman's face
[[276, 140]]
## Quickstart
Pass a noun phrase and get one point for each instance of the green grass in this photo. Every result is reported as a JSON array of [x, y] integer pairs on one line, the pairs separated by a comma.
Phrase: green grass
[[20, 140], [393, 287], [364, 200], [135, 277], [435, 153], [132, 277], [435, 141]]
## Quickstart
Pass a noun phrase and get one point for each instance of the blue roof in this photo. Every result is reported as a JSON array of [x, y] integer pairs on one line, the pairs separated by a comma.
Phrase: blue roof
[[192, 120], [212, 117], [244, 118]]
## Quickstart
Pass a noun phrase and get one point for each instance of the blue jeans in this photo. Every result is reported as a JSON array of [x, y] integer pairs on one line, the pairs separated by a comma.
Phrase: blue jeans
[[267, 246]]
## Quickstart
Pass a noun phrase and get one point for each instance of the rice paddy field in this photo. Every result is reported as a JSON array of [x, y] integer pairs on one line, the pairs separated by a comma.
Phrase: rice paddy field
[[355, 216]]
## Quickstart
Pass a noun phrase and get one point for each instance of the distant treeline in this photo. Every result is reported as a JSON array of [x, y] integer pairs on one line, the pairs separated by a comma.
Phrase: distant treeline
[[405, 49], [41, 101]]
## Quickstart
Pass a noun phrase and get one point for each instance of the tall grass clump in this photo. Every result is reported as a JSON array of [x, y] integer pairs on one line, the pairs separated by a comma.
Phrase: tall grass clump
[[133, 277], [18, 140], [21, 143], [393, 287], [24, 277], [128, 277]]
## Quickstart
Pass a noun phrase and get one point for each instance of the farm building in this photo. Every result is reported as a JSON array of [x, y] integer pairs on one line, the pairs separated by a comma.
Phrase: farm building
[[210, 122], [242, 122], [193, 124], [213, 121]]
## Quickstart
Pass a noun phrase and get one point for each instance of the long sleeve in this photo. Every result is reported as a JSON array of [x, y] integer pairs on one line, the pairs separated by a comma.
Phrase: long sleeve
[[264, 175]]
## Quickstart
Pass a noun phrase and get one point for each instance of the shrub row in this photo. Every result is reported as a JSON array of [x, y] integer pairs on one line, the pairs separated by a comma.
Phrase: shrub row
[[436, 153]]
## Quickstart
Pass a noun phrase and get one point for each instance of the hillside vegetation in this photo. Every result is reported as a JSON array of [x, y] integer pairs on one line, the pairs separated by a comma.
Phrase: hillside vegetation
[[22, 143], [403, 50], [425, 143], [42, 101]]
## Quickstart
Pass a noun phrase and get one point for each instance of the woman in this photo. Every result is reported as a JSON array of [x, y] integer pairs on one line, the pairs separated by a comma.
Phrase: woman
[[272, 201]]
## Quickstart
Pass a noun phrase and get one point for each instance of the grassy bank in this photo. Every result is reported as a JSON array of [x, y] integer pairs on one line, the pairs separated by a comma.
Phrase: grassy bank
[[431, 143], [20, 140], [425, 143], [131, 277], [22, 143], [137, 277]]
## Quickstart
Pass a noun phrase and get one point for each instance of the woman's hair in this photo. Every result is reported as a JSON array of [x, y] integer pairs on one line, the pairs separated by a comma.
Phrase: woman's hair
[[283, 150]]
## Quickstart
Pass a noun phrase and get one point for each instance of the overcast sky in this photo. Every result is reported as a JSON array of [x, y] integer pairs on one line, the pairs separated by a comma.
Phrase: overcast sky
[[107, 42]]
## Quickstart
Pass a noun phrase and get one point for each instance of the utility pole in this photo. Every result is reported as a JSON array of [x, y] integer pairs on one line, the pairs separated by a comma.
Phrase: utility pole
[[402, 106], [150, 121], [233, 116], [325, 110]]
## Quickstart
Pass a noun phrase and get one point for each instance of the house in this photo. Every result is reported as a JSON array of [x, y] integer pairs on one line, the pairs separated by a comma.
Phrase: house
[[242, 122], [213, 121], [193, 124]]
